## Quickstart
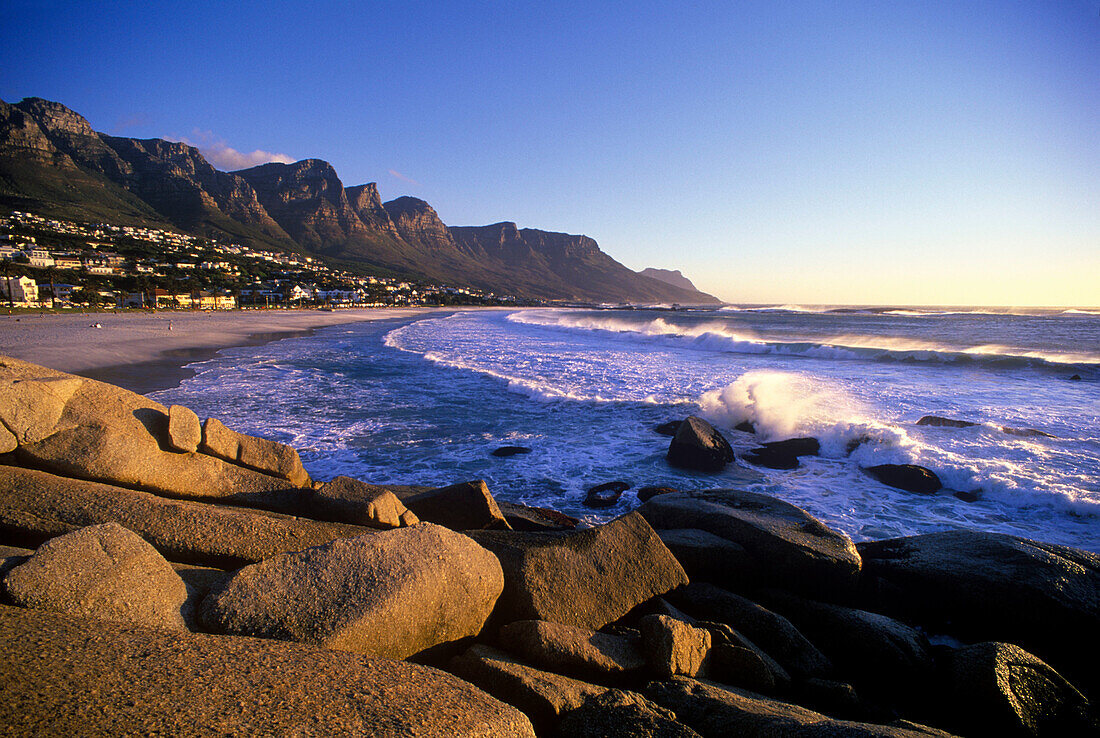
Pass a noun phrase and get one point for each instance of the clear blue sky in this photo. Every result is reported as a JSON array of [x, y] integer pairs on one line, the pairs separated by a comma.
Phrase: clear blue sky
[[826, 152]]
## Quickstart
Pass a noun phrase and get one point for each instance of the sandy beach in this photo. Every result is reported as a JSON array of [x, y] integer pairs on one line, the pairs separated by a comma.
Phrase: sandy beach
[[144, 352]]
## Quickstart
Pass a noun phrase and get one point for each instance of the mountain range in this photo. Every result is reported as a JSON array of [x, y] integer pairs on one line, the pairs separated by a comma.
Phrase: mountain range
[[54, 164]]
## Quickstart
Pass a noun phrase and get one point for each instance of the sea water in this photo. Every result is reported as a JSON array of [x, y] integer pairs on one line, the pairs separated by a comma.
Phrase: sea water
[[427, 401]]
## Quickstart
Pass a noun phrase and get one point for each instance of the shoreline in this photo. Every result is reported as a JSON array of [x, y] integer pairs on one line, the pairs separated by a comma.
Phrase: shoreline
[[148, 352]]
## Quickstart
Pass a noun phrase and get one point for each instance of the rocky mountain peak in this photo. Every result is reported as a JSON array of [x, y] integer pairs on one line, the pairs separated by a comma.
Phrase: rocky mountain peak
[[418, 223], [668, 276], [55, 117]]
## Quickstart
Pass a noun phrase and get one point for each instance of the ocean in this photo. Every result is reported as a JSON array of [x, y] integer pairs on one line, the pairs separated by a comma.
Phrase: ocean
[[426, 402]]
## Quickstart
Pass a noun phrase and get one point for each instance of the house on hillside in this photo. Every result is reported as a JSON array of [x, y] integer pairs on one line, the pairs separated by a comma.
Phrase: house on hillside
[[22, 291]]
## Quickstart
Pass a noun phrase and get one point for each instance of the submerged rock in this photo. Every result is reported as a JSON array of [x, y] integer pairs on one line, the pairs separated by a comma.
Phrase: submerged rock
[[669, 428], [697, 445], [909, 477], [506, 451], [783, 454], [393, 593], [937, 421], [605, 495]]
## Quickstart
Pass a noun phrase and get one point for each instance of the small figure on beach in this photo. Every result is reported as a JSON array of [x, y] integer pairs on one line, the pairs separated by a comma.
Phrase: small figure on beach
[[96, 325]]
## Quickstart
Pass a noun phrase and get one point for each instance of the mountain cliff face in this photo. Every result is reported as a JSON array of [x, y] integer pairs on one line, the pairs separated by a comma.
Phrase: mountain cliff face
[[52, 162], [669, 276]]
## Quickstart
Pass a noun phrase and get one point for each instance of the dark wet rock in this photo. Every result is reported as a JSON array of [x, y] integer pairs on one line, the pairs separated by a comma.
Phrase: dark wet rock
[[968, 496], [937, 421], [535, 519], [506, 451], [783, 454], [723, 635], [36, 506], [392, 593], [572, 651], [1025, 432], [605, 495], [718, 711], [645, 493], [1001, 689], [740, 667], [104, 572], [770, 459], [668, 429], [788, 547], [707, 557], [769, 630], [837, 699], [618, 714], [881, 656], [586, 578], [991, 586], [672, 646], [1075, 378], [348, 500], [541, 695], [745, 426], [909, 477], [697, 445], [74, 676], [463, 506]]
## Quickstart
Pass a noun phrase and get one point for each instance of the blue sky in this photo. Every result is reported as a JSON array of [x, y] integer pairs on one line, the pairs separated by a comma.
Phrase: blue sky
[[789, 152]]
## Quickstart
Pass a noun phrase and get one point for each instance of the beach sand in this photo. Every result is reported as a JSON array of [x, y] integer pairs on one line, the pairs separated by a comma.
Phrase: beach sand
[[145, 352]]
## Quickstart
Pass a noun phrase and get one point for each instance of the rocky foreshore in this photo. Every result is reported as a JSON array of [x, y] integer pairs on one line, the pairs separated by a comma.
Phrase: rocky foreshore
[[165, 574]]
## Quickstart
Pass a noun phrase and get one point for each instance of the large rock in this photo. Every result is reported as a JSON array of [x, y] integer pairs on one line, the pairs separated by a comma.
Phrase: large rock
[[1001, 689], [731, 665], [541, 695], [535, 519], [710, 558], [36, 506], [71, 676], [588, 578], [102, 571], [184, 429], [463, 506], [618, 714], [569, 650], [393, 593], [772, 632], [991, 586], [718, 712], [348, 500], [672, 646], [878, 654], [90, 430], [269, 457], [788, 547], [697, 445]]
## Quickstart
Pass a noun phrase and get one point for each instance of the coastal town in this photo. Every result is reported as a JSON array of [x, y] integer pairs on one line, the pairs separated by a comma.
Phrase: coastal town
[[51, 263]]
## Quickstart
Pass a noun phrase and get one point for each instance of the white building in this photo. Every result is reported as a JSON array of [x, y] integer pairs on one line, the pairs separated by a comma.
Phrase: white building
[[20, 290]]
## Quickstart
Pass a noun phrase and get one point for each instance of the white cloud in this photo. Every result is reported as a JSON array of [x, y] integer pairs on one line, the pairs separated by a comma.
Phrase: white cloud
[[223, 156], [403, 178]]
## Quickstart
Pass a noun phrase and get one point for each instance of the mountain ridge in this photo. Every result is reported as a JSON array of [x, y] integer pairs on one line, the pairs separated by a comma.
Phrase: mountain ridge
[[53, 162]]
